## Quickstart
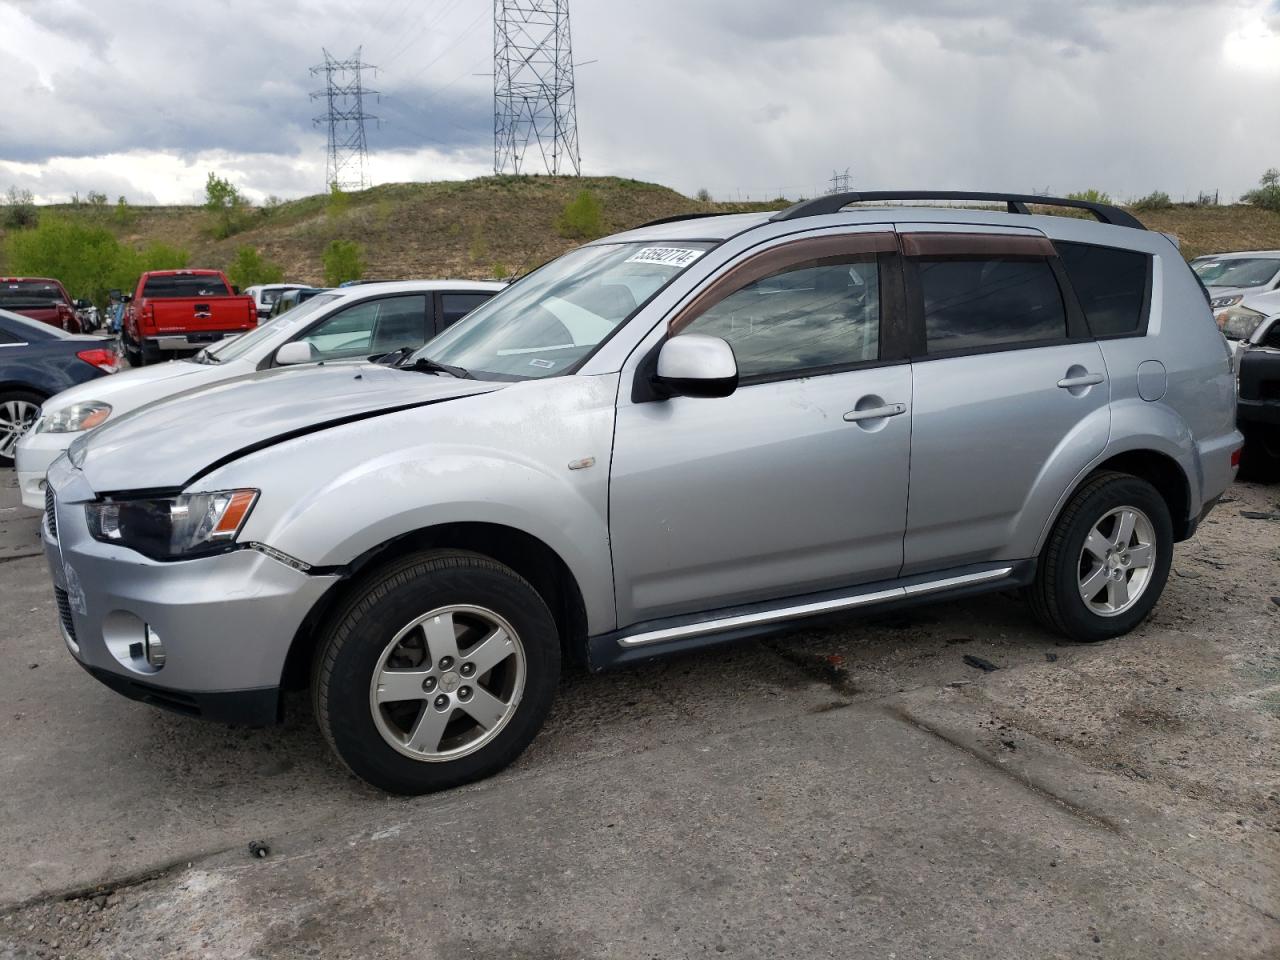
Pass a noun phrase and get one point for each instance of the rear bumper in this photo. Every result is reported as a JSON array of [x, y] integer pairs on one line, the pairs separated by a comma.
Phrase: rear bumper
[[190, 341]]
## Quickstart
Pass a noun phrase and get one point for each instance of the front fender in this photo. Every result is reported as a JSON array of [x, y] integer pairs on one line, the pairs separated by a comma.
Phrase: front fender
[[500, 458]]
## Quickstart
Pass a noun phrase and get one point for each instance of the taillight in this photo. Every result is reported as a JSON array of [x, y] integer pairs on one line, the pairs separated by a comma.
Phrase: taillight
[[1235, 456], [105, 360], [253, 314]]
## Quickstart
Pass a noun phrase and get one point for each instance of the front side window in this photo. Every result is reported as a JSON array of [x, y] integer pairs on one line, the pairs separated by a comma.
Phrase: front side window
[[807, 317], [242, 345], [556, 316], [987, 303], [1236, 272], [370, 328]]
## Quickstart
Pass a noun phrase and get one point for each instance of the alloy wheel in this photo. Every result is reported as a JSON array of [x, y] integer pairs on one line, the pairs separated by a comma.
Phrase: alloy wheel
[[1116, 561], [16, 418], [448, 683]]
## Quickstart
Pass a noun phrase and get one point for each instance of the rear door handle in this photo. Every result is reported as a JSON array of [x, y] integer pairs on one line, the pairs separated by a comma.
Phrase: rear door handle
[[876, 413], [1088, 380]]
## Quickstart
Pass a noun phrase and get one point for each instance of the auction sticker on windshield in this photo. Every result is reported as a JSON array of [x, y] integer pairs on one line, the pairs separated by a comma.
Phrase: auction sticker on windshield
[[679, 257]]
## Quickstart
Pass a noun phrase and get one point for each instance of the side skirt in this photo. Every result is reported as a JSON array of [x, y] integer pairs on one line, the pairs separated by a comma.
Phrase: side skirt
[[674, 635]]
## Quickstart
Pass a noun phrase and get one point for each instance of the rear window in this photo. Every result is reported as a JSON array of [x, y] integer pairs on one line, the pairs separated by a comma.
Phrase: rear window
[[980, 303], [184, 286], [1111, 285], [29, 293], [455, 306]]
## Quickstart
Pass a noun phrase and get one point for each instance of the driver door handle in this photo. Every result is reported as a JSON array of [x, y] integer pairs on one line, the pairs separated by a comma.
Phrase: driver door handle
[[876, 413]]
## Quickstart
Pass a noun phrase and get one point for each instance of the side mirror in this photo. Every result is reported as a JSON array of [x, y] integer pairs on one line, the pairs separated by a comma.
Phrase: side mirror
[[695, 365], [294, 352], [235, 290]]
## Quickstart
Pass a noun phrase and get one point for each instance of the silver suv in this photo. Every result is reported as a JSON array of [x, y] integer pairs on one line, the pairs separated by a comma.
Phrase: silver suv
[[684, 435]]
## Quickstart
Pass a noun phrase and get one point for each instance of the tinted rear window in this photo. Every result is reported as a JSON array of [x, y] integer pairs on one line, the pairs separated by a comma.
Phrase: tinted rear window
[[1111, 285], [29, 293], [184, 286], [455, 306], [973, 304]]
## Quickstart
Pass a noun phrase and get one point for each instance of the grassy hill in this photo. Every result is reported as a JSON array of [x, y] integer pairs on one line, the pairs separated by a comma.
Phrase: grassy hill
[[498, 225]]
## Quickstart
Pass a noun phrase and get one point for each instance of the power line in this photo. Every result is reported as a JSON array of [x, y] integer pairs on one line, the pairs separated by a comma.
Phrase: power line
[[343, 96], [533, 94]]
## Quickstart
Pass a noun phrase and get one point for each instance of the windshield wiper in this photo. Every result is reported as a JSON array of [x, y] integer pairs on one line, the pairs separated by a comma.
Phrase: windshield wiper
[[427, 365]]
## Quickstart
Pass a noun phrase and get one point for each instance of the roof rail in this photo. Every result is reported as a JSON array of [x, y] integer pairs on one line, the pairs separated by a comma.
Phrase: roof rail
[[1016, 203], [676, 219]]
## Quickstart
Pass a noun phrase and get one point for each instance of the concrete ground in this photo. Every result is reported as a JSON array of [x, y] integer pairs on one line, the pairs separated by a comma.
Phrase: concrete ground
[[854, 791]]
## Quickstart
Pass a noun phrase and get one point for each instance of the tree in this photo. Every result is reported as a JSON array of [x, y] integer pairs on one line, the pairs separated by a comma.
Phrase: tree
[[249, 269], [19, 210], [1267, 196], [581, 218], [226, 205], [89, 260], [343, 260]]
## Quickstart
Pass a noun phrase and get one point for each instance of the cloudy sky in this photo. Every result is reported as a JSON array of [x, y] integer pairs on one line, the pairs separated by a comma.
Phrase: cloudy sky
[[742, 97]]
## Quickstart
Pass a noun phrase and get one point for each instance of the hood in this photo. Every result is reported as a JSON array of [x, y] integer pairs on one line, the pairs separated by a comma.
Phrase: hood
[[169, 444], [1268, 303], [130, 389]]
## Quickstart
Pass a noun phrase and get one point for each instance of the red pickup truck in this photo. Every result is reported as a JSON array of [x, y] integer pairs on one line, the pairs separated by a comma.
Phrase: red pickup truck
[[40, 299], [172, 311]]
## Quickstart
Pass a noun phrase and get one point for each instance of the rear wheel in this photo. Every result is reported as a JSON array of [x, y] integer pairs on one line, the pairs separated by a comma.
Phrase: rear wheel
[[1106, 561], [439, 670], [18, 410]]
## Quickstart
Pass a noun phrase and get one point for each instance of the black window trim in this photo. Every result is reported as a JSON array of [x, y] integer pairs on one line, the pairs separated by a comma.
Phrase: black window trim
[[1077, 328], [1144, 317], [438, 300]]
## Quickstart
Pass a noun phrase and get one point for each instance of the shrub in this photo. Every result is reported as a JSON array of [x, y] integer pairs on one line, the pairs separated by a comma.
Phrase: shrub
[[703, 195], [343, 260], [1092, 195], [249, 269], [123, 215], [581, 218], [227, 207], [89, 260], [339, 202], [1156, 200], [19, 210], [1267, 196]]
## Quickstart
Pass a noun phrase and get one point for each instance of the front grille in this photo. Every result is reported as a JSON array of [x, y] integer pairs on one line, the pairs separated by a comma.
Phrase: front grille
[[50, 512], [64, 612]]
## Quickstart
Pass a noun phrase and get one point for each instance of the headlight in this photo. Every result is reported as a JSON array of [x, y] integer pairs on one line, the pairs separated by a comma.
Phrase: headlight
[[1220, 303], [73, 419], [173, 528], [1238, 323]]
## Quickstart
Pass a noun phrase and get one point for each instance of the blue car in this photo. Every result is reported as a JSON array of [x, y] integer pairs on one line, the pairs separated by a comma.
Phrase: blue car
[[37, 361]]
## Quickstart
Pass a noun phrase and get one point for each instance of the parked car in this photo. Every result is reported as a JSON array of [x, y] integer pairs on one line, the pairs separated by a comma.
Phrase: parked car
[[40, 299], [266, 294], [1247, 317], [1259, 404], [688, 434], [292, 298], [38, 360], [1229, 276], [182, 310], [360, 322]]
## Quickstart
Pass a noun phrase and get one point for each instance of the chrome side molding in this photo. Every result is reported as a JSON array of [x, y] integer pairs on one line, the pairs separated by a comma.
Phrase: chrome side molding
[[800, 610]]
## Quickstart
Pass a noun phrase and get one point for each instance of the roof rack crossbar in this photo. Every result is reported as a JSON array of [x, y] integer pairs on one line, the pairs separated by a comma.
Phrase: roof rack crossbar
[[1015, 203]]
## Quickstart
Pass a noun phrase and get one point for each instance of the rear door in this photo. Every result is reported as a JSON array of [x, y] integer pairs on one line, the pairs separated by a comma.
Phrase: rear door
[[1009, 388], [795, 483]]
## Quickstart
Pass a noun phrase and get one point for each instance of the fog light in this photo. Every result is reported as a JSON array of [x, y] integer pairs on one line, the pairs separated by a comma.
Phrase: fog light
[[152, 647]]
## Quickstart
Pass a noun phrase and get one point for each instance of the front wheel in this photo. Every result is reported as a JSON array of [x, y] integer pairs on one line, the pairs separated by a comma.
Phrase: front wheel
[[1106, 561], [438, 670], [18, 411]]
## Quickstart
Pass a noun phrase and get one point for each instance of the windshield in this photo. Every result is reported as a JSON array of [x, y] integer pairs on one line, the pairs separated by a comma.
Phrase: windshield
[[278, 329], [29, 293], [1241, 272], [556, 316]]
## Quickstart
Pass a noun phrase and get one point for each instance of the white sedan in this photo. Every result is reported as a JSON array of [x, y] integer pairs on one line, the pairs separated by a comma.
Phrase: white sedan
[[364, 321]]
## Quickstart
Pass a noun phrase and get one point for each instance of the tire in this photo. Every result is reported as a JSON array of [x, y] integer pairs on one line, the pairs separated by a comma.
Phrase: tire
[[18, 410], [1071, 561], [386, 740], [131, 352]]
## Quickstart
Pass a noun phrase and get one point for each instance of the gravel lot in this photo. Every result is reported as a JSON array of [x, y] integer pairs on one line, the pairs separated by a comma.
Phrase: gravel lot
[[854, 791]]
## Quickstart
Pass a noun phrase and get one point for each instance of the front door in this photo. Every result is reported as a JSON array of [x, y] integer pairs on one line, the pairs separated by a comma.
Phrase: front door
[[798, 481]]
